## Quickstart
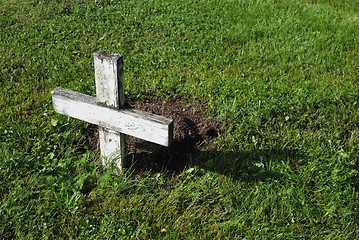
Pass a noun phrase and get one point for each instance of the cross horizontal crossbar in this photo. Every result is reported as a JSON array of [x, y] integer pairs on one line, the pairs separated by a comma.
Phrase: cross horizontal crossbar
[[149, 127]]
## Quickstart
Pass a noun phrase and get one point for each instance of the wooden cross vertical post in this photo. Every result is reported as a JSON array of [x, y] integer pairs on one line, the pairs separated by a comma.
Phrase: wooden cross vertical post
[[106, 111], [110, 92]]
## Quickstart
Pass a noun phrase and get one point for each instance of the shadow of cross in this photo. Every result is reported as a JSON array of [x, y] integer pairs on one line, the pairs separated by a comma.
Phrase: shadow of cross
[[106, 111]]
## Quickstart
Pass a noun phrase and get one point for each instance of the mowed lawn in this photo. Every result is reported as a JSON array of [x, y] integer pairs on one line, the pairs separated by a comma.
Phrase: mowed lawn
[[283, 75]]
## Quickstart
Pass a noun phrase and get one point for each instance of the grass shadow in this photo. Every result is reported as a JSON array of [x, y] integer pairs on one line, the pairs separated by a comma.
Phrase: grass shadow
[[249, 165]]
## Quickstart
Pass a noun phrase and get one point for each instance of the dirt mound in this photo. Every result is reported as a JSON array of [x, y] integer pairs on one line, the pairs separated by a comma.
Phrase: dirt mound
[[193, 133]]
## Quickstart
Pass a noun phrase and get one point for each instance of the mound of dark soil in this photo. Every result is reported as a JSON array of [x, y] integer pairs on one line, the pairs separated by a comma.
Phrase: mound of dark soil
[[193, 134]]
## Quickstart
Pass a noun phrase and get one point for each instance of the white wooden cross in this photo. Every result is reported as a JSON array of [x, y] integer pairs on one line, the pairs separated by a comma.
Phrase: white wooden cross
[[106, 111]]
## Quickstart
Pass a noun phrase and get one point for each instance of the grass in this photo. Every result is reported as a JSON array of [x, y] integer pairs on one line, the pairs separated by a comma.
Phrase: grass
[[283, 73]]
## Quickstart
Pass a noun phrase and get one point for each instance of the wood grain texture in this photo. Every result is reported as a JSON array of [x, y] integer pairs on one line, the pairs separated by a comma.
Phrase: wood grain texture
[[150, 127], [109, 79], [110, 92]]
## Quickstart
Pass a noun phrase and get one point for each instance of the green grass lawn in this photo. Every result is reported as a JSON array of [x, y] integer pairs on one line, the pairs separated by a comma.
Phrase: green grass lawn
[[285, 74]]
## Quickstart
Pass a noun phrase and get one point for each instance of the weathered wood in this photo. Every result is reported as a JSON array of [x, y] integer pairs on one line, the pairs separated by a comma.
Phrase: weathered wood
[[150, 127], [106, 111], [109, 79], [110, 92]]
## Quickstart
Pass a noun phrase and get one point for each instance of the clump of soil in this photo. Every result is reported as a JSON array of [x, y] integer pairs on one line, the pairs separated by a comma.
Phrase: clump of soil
[[193, 134]]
